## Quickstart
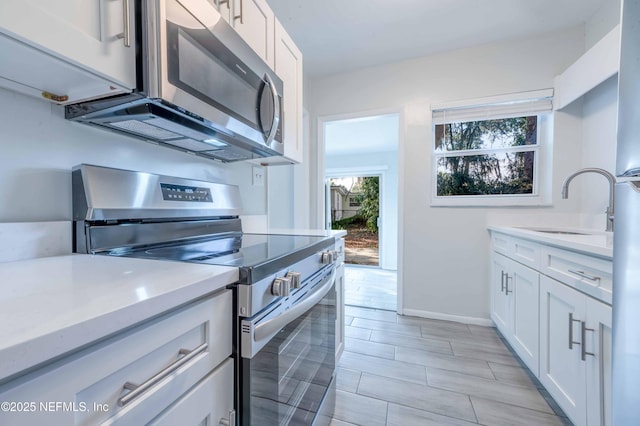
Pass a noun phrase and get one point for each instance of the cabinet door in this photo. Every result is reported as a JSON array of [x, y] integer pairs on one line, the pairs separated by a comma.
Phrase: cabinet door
[[523, 288], [562, 371], [207, 403], [84, 33], [597, 338], [253, 20], [499, 298], [339, 310], [288, 66], [224, 7]]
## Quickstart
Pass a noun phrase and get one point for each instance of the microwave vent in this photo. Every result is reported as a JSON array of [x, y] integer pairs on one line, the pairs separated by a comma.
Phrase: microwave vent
[[144, 129]]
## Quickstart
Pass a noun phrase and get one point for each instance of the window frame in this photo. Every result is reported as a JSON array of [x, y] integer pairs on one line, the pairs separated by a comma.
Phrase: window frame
[[542, 166]]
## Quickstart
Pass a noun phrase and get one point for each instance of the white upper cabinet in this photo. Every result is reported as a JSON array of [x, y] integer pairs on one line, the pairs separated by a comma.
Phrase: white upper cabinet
[[254, 20], [594, 67], [76, 49], [288, 66]]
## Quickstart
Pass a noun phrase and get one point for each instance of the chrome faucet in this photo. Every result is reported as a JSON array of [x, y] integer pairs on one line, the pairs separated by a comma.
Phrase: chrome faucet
[[612, 181]]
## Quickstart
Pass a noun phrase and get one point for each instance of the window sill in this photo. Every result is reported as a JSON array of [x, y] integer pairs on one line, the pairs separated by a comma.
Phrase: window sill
[[491, 201]]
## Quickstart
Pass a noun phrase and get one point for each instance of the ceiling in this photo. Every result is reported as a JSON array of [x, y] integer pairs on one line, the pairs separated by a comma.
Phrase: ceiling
[[341, 35]]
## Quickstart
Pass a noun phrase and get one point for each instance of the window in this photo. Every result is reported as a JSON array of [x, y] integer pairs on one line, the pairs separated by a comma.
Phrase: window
[[492, 153], [355, 201]]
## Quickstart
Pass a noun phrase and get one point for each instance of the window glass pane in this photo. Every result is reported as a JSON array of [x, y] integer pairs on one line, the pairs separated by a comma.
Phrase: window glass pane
[[491, 174], [486, 134]]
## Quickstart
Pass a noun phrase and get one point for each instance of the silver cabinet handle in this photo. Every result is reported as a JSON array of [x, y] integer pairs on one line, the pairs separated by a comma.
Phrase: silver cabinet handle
[[137, 390], [126, 21], [581, 274], [584, 340], [506, 284], [502, 281], [276, 109], [238, 16], [231, 421], [571, 321]]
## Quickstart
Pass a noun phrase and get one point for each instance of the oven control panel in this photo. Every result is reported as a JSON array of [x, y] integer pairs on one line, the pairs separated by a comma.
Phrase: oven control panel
[[171, 192]]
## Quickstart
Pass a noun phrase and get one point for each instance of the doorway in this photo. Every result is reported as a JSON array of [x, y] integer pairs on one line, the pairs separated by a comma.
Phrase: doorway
[[361, 153], [354, 203]]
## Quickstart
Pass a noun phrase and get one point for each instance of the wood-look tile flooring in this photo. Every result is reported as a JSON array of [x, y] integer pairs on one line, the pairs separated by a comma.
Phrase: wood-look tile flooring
[[370, 287], [399, 370]]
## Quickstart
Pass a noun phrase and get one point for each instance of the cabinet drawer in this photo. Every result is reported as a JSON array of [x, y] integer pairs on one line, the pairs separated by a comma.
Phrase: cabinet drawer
[[206, 404], [88, 387], [591, 275], [520, 250]]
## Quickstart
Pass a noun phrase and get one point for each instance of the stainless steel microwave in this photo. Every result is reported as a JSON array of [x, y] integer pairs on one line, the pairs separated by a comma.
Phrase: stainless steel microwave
[[201, 88]]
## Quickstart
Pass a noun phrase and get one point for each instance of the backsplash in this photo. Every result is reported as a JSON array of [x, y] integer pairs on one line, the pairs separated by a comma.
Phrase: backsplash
[[29, 240]]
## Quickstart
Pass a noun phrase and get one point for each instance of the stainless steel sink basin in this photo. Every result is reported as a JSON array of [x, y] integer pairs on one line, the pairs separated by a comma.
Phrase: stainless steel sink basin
[[558, 231]]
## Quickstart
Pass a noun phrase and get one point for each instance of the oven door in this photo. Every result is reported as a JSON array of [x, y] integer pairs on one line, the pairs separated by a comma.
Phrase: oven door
[[287, 376], [203, 66]]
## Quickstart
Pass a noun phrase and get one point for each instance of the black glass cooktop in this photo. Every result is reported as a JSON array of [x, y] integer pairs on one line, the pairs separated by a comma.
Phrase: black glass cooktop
[[257, 255]]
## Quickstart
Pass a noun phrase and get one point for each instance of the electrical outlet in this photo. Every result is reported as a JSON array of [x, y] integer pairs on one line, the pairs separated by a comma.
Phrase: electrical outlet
[[258, 176]]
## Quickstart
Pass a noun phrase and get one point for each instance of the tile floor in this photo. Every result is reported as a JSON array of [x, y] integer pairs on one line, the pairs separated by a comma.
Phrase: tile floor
[[398, 370], [370, 287]]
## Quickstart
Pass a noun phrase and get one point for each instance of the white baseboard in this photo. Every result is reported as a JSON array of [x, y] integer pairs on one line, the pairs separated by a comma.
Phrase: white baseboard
[[446, 317]]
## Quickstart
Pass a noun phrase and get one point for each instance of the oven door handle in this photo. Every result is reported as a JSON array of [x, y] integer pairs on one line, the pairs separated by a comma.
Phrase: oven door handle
[[269, 328]]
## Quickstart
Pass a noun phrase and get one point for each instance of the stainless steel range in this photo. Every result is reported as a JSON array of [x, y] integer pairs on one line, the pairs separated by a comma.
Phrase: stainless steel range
[[285, 301]]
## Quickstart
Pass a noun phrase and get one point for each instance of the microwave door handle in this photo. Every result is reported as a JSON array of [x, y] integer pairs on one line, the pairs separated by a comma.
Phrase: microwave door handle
[[276, 109], [267, 329]]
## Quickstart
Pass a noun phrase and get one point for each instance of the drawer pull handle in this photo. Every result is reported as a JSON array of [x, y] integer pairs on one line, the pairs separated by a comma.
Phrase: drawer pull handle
[[571, 342], [137, 390], [506, 284], [581, 274], [584, 341]]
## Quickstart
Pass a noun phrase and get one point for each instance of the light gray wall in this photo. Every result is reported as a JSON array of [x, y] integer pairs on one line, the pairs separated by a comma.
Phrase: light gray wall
[[445, 251], [39, 148]]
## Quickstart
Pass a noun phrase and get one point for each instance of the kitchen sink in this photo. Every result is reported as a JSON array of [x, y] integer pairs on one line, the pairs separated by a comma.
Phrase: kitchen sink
[[560, 231]]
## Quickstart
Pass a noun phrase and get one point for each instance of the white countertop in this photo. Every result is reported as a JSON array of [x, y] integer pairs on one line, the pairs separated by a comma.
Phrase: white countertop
[[593, 242], [50, 306], [336, 233]]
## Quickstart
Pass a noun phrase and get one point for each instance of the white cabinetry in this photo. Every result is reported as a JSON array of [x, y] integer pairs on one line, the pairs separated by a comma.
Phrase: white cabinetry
[[131, 378], [254, 21], [340, 298], [553, 307], [515, 307], [576, 352], [71, 48]]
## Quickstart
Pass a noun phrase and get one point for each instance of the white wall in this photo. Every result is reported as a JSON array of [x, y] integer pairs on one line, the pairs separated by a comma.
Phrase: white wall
[[445, 251], [39, 148], [388, 163]]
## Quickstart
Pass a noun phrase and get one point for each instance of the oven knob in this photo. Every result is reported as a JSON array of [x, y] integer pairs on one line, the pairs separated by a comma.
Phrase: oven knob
[[295, 278], [329, 256], [281, 286]]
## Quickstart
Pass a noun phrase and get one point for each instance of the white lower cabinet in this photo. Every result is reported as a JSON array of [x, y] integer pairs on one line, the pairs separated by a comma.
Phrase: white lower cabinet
[[515, 307], [132, 377], [340, 288], [206, 404], [576, 352], [551, 305]]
